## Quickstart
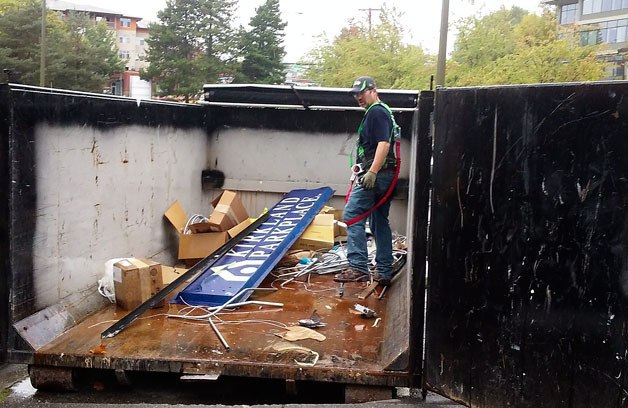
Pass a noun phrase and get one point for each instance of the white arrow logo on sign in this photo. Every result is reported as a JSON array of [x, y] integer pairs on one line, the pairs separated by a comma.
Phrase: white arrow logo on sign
[[247, 268]]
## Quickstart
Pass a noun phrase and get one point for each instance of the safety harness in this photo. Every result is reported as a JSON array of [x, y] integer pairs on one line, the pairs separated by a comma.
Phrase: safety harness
[[395, 152]]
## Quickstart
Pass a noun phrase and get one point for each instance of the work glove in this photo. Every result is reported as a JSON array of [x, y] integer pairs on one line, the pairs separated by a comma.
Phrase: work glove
[[368, 182]]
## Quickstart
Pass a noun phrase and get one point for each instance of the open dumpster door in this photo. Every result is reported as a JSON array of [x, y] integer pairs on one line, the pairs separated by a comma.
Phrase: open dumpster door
[[528, 257]]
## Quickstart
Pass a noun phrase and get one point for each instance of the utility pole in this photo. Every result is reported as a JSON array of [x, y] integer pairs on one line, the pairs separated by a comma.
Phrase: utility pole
[[370, 10], [42, 59], [442, 45]]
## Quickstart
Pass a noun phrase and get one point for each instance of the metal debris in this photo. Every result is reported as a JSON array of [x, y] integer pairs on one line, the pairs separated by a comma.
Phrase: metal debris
[[365, 311], [313, 322]]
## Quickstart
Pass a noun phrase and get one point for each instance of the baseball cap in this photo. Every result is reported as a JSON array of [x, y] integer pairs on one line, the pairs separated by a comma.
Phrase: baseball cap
[[362, 84]]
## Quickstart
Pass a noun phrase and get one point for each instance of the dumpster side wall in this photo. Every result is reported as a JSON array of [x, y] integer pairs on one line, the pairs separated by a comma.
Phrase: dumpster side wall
[[5, 183], [91, 178], [101, 194], [527, 289]]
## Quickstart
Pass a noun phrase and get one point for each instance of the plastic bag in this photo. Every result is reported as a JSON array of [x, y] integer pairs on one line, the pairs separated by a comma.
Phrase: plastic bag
[[105, 284]]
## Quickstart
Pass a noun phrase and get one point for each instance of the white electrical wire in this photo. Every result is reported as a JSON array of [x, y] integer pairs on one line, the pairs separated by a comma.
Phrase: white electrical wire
[[194, 219]]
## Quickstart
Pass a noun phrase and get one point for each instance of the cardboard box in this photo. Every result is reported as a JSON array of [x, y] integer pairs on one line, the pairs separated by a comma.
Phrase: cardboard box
[[156, 278], [132, 283], [319, 235], [193, 246], [338, 230], [228, 211], [172, 273]]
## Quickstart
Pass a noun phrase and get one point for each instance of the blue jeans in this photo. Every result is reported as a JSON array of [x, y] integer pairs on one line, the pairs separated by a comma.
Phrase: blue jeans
[[360, 201]]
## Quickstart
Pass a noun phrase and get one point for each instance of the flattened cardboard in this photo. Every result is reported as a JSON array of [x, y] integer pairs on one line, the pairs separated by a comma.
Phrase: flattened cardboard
[[232, 232], [319, 234], [228, 211]]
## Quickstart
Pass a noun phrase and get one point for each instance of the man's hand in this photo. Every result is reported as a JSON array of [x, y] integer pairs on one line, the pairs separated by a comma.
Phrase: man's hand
[[368, 182]]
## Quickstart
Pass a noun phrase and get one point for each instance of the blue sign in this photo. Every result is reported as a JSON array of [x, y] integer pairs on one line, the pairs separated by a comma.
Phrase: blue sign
[[251, 260]]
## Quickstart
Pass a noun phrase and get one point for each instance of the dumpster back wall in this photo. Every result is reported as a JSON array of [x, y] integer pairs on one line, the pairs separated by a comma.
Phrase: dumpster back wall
[[84, 174], [528, 281]]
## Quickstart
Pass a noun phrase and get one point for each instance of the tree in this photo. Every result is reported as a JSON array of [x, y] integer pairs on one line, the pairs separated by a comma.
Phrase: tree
[[190, 46], [262, 45], [482, 40], [80, 53], [6, 5], [20, 27], [534, 52], [83, 55], [377, 51]]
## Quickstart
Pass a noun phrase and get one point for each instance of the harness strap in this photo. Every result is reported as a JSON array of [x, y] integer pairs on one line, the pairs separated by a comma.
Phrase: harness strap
[[388, 192], [394, 138]]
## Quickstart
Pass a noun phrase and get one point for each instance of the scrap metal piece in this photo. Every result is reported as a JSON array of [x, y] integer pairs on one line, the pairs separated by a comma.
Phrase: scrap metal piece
[[220, 337], [313, 322], [365, 311], [381, 295]]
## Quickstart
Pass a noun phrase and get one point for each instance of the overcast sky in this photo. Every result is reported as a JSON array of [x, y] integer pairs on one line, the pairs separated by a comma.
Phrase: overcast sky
[[307, 20]]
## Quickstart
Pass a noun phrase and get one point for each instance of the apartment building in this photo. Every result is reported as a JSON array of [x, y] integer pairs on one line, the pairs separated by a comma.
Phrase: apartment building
[[597, 22], [131, 34]]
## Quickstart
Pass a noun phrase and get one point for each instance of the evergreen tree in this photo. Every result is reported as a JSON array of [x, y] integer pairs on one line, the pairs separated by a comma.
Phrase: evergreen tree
[[20, 28], [191, 45], [83, 55], [262, 46], [80, 54]]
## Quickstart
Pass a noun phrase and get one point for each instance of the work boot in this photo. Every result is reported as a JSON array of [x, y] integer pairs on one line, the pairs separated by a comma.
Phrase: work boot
[[383, 280], [351, 275]]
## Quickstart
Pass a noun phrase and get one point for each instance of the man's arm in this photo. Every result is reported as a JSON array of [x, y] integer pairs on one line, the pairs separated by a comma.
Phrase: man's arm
[[368, 182], [380, 156]]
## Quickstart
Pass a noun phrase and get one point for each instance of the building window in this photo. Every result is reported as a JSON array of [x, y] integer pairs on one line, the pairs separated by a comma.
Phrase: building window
[[125, 39], [141, 41], [125, 55], [125, 22], [601, 6], [568, 14], [611, 32]]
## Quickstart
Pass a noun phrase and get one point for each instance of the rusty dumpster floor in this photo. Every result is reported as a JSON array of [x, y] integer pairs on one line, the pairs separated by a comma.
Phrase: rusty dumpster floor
[[350, 353]]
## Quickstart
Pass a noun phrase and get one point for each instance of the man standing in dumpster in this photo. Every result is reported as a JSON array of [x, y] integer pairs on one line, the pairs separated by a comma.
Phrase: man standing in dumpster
[[376, 172]]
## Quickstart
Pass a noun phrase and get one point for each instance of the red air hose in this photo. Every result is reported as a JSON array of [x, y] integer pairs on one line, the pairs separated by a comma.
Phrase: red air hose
[[386, 196]]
